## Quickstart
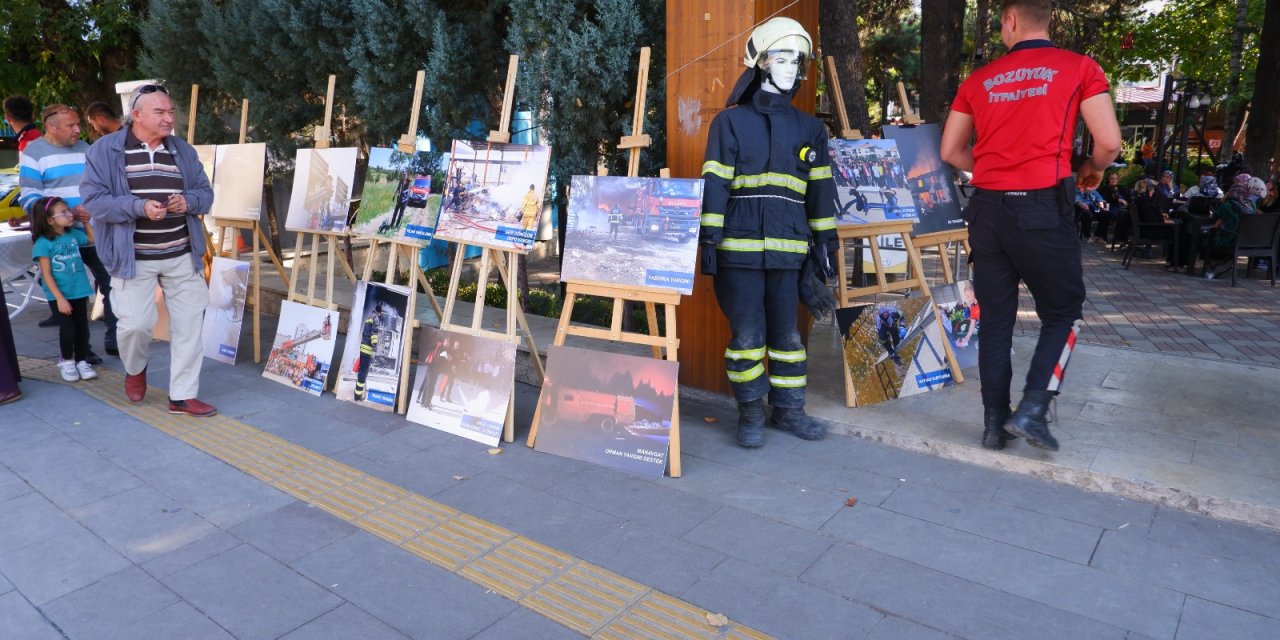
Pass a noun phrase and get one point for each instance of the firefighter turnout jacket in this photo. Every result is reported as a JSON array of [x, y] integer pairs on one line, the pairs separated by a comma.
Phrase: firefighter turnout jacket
[[369, 337], [768, 185]]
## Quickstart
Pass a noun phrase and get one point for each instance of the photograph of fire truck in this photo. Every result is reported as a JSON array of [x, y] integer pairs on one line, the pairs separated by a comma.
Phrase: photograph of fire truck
[[303, 348], [370, 370], [633, 231], [398, 199], [462, 384], [494, 194], [607, 408]]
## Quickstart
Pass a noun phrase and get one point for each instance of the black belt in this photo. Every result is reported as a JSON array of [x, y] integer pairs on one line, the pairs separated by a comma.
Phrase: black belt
[[1048, 193]]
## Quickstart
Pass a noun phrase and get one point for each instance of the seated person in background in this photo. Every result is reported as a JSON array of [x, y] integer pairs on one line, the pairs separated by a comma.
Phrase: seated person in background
[[1167, 192], [1270, 202], [1088, 205], [1117, 199], [1218, 245], [1147, 209], [1208, 187]]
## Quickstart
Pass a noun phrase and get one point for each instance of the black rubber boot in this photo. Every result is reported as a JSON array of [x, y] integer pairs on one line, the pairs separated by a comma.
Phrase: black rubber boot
[[1031, 421], [795, 421], [994, 434], [751, 423]]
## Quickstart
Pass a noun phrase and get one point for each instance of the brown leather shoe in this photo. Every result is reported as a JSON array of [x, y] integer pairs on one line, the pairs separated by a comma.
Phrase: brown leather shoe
[[135, 386], [191, 407], [6, 398]]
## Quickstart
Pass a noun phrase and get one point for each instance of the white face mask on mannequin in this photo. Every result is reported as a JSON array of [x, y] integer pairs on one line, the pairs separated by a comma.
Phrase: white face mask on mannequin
[[781, 67]]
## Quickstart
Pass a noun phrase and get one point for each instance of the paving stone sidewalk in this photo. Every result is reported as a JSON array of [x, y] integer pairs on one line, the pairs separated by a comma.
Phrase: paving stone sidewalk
[[110, 528]]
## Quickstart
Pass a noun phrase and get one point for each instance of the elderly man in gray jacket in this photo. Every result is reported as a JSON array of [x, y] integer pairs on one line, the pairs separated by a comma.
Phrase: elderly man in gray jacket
[[145, 190]]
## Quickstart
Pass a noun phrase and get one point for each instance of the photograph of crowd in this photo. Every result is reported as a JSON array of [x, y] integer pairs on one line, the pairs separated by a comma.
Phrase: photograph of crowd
[[633, 231], [609, 409], [930, 180], [370, 371], [322, 180], [228, 284], [237, 180], [303, 347], [958, 311], [493, 194], [462, 384], [893, 349], [871, 184], [402, 195]]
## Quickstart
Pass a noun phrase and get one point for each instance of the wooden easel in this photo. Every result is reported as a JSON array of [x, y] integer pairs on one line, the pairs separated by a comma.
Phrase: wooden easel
[[847, 132], [915, 281], [507, 263], [260, 244], [397, 248], [662, 346], [942, 241], [860, 234], [333, 253]]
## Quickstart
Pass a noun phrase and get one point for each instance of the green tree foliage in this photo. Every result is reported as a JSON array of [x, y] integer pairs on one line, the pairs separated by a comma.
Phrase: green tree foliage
[[67, 50], [389, 43]]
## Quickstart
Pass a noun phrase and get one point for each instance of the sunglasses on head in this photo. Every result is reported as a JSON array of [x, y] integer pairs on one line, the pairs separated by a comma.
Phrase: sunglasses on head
[[55, 109], [144, 90]]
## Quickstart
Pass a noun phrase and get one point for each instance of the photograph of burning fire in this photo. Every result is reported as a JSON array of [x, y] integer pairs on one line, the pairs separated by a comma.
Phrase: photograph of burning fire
[[494, 194], [930, 180]]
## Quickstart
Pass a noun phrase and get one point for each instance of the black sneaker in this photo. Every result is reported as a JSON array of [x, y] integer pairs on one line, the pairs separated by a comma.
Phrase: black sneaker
[[51, 321], [93, 358]]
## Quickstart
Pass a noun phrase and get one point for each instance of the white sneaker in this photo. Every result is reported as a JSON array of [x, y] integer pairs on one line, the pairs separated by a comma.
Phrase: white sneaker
[[86, 370], [69, 371]]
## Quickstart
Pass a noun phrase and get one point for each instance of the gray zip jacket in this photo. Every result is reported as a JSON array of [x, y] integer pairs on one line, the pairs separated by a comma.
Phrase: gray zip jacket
[[114, 209]]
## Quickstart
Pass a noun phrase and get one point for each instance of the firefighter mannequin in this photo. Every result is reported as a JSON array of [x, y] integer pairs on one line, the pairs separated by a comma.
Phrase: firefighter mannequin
[[768, 195]]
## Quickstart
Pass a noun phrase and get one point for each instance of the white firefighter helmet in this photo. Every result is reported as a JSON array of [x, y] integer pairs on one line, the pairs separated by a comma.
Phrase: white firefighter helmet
[[778, 34]]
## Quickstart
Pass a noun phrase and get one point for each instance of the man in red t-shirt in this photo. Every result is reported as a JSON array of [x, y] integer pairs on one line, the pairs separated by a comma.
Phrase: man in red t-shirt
[[1023, 108], [20, 114]]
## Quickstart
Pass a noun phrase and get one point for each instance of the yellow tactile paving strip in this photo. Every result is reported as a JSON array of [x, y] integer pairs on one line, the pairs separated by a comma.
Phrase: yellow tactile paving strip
[[582, 596]]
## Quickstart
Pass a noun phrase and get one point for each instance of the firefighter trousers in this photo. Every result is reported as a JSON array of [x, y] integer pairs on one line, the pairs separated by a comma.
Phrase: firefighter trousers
[[1029, 237], [760, 305], [362, 373]]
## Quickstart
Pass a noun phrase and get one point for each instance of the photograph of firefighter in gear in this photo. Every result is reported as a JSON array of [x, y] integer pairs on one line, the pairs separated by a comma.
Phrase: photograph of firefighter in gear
[[893, 349], [494, 194], [768, 227], [399, 198], [609, 409], [370, 371], [930, 180], [228, 285], [633, 231], [462, 384], [303, 347]]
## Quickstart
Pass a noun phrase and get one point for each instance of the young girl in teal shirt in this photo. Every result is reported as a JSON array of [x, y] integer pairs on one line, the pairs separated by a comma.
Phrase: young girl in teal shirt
[[65, 280]]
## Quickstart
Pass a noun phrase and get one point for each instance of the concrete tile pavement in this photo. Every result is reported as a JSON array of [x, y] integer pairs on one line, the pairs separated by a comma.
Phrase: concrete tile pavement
[[188, 546]]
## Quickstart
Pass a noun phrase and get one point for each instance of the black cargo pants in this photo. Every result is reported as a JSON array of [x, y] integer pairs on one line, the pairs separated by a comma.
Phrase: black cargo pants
[[1026, 236]]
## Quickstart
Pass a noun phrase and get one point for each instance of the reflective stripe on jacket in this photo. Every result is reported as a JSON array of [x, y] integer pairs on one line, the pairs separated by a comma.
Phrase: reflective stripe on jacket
[[768, 185]]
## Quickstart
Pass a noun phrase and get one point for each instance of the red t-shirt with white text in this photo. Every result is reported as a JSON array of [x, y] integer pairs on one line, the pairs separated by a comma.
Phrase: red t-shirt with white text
[[1024, 107]]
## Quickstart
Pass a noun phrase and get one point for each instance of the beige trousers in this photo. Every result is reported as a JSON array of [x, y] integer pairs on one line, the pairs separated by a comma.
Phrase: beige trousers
[[185, 297]]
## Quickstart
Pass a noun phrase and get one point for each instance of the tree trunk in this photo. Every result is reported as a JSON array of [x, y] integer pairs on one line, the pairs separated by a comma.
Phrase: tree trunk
[[1262, 144], [982, 33], [840, 40], [1233, 81], [941, 48]]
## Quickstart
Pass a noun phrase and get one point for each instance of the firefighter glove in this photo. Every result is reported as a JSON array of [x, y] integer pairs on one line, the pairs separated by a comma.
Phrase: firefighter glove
[[814, 292]]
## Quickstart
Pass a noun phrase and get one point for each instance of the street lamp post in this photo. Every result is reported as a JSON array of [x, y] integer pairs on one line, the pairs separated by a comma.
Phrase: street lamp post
[[1190, 100]]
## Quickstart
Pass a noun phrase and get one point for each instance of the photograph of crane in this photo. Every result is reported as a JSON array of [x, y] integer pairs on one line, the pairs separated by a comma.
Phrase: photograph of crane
[[494, 194], [303, 348]]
